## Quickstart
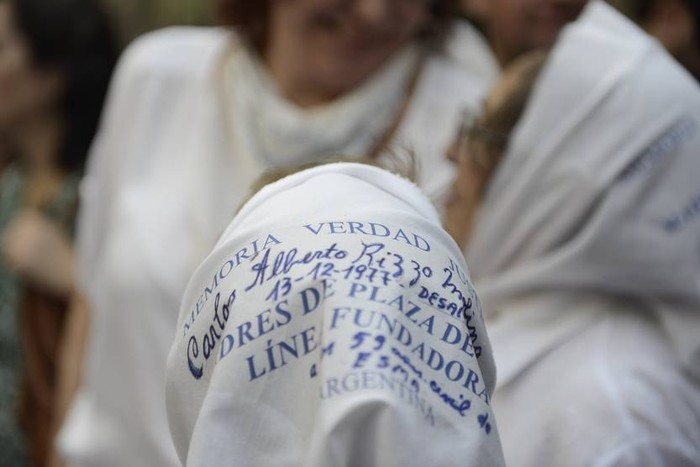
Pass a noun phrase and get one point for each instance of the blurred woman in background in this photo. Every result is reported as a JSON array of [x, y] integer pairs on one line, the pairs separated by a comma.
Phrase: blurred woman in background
[[578, 206], [676, 23], [56, 59], [195, 115]]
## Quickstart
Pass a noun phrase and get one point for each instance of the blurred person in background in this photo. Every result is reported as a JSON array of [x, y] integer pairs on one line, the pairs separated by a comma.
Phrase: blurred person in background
[[514, 27], [56, 58], [473, 8], [194, 116], [577, 205], [676, 23]]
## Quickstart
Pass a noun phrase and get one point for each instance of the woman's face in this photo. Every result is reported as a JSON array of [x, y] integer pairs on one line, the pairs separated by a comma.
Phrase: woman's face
[[476, 156], [25, 90], [518, 26], [342, 42]]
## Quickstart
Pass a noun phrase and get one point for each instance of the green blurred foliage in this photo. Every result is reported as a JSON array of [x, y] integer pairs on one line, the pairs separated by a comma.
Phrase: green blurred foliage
[[134, 17]]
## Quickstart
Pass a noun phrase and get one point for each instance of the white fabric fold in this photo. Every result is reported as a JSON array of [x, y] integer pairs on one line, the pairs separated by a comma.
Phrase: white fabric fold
[[598, 192], [277, 132], [334, 323]]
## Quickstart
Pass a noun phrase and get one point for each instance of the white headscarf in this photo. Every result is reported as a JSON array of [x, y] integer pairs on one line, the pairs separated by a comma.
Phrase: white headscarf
[[599, 191], [286, 354]]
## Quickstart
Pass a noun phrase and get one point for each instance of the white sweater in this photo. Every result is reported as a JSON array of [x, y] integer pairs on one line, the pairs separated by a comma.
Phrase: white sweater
[[165, 176]]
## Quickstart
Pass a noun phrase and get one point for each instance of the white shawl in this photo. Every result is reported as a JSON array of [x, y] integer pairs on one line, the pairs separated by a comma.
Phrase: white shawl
[[599, 190], [333, 330]]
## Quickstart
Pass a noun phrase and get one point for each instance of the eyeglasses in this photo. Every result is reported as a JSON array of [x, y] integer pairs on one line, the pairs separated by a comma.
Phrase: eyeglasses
[[471, 131]]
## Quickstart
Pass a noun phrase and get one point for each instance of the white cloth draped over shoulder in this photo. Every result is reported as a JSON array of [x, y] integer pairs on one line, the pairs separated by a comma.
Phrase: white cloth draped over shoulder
[[171, 164], [472, 51], [586, 255], [337, 332]]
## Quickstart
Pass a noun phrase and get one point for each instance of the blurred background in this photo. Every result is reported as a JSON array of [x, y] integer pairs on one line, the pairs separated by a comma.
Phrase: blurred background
[[134, 17]]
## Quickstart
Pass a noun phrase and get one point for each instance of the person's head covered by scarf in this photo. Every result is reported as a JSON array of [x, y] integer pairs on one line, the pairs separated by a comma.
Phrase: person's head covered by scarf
[[578, 207], [334, 323]]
